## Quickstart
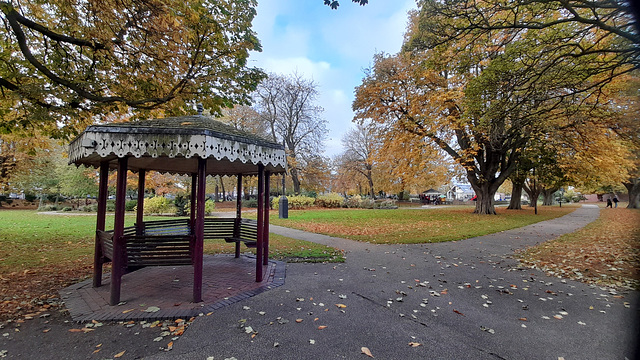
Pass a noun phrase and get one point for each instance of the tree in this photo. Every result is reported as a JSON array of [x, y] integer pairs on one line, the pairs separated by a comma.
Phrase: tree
[[245, 118], [483, 95], [287, 104], [360, 143], [587, 28], [69, 62]]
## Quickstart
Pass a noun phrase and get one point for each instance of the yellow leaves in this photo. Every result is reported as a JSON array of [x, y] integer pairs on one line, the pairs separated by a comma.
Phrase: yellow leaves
[[414, 344], [341, 306], [322, 327], [119, 355]]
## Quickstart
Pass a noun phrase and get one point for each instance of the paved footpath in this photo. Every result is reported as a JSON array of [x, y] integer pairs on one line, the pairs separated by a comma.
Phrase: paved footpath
[[458, 300]]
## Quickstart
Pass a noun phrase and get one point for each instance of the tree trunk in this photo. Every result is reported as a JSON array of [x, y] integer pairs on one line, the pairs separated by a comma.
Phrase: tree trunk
[[633, 187], [371, 191], [484, 202], [224, 193], [516, 196], [296, 182], [547, 195], [534, 194]]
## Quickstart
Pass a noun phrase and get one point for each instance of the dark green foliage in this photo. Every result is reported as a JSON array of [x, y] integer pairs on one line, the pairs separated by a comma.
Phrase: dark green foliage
[[181, 203], [251, 203], [130, 205]]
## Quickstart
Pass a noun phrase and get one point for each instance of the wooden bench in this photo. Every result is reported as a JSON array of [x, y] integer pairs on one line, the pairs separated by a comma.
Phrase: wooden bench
[[232, 231], [150, 250], [171, 242]]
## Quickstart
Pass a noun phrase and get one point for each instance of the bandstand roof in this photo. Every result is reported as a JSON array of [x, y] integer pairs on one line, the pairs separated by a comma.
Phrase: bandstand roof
[[174, 144]]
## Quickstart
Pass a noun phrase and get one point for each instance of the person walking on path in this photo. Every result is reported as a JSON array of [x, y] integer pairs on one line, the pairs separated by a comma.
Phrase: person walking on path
[[615, 200], [609, 204]]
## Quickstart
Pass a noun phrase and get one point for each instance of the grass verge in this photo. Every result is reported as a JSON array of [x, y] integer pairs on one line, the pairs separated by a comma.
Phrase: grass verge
[[605, 252], [411, 226]]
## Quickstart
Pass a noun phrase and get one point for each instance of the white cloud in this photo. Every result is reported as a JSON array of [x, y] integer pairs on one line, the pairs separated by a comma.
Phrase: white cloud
[[331, 47]]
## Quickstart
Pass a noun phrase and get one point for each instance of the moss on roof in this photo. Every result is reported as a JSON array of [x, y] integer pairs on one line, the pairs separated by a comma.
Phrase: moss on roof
[[185, 125]]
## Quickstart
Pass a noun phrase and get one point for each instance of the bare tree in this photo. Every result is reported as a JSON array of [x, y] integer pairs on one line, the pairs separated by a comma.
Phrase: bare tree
[[359, 144], [287, 104]]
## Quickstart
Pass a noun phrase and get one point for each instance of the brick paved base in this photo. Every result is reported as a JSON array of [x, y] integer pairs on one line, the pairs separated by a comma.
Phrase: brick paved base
[[226, 280]]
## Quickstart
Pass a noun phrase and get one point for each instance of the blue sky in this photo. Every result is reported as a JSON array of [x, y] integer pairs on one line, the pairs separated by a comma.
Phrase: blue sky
[[331, 47]]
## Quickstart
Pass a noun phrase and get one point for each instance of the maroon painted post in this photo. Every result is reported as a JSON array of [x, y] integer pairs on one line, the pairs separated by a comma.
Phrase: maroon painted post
[[199, 235], [192, 214], [118, 231], [267, 206], [140, 211], [98, 257], [260, 245], [238, 219], [239, 198]]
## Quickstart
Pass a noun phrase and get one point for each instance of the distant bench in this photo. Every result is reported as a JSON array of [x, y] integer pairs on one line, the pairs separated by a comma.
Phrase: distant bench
[[171, 242]]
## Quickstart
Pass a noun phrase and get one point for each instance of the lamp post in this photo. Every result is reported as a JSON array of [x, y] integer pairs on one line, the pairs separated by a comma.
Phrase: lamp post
[[283, 203]]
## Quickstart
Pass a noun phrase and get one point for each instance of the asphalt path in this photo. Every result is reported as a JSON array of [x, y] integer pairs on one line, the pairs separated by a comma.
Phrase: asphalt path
[[467, 299]]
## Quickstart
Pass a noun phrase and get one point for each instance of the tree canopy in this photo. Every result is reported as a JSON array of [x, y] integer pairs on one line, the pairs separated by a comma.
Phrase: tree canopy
[[288, 105], [334, 3], [65, 63], [482, 90]]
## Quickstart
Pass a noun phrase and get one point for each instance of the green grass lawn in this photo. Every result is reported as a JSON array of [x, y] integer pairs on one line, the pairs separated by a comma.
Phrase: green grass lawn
[[30, 240], [409, 226]]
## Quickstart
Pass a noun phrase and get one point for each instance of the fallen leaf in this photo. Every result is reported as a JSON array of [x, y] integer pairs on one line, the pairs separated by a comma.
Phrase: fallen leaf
[[523, 319], [366, 351], [152, 309], [119, 354], [299, 320], [170, 346], [96, 351], [322, 327], [341, 306], [414, 344], [458, 312], [128, 311]]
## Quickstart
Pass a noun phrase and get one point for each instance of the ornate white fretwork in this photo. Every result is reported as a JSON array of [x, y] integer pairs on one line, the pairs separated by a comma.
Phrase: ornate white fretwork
[[83, 150]]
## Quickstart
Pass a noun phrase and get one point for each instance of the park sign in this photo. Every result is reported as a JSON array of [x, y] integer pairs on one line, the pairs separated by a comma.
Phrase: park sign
[[174, 145]]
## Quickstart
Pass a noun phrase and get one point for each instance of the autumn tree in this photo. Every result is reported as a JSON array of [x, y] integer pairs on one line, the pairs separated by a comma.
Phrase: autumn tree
[[245, 118], [288, 105], [65, 63], [483, 95]]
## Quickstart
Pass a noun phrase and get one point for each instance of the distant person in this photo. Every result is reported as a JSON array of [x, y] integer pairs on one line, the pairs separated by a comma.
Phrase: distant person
[[615, 200], [609, 204]]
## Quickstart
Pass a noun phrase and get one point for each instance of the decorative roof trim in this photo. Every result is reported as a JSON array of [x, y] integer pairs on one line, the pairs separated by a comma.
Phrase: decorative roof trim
[[171, 145]]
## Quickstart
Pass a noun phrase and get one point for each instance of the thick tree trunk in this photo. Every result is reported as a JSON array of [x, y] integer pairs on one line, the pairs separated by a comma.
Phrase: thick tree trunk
[[516, 196], [547, 195], [484, 202], [633, 187], [484, 198]]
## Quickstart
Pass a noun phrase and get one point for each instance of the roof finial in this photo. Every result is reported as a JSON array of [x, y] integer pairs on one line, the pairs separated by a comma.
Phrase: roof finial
[[200, 109]]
